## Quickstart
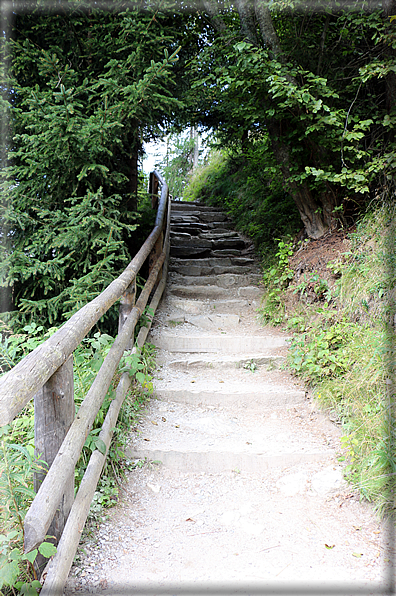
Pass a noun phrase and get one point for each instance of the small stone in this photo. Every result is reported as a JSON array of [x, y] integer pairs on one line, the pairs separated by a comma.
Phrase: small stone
[[154, 487], [328, 481], [292, 484]]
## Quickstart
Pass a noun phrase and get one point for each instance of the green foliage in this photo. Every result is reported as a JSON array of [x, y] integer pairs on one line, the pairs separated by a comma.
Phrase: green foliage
[[319, 353], [318, 285], [177, 163], [343, 346], [14, 347], [276, 279], [17, 464], [86, 92], [323, 101]]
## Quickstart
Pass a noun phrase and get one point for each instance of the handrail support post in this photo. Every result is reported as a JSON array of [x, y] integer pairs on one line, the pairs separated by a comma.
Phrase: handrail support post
[[154, 255], [127, 303], [54, 412]]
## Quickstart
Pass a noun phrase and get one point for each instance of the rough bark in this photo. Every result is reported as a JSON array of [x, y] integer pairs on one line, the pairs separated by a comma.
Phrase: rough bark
[[215, 18], [267, 29], [246, 17], [54, 412], [308, 207], [389, 8]]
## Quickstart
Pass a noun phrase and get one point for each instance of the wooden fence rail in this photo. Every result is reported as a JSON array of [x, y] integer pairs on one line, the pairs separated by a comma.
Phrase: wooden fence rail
[[47, 374]]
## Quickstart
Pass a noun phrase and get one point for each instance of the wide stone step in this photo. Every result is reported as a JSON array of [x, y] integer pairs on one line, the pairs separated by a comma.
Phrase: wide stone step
[[217, 344], [247, 361], [194, 229], [193, 306], [189, 251], [219, 234], [191, 206], [224, 277], [214, 292], [211, 262], [187, 241], [177, 433], [217, 462]]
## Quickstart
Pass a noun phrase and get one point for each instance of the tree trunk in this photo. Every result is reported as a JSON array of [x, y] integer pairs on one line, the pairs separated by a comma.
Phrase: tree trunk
[[267, 29], [246, 17], [310, 210], [389, 8], [316, 215]]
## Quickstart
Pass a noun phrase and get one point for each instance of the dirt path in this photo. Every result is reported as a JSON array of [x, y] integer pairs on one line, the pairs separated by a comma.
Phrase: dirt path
[[249, 496]]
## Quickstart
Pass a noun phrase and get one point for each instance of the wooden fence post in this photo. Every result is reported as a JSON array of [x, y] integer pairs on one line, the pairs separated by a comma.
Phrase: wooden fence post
[[153, 190], [127, 303], [154, 255], [54, 412]]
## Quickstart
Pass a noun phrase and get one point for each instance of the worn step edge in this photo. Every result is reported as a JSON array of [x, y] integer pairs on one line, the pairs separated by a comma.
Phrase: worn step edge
[[255, 401], [213, 461], [227, 362], [224, 277], [248, 292], [220, 344]]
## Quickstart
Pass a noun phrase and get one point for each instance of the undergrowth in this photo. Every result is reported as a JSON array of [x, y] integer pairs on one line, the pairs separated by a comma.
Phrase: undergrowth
[[18, 461], [343, 345]]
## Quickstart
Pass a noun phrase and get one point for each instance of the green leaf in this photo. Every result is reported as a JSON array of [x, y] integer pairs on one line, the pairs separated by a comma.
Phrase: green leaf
[[100, 446], [30, 589], [47, 549], [9, 574], [141, 377], [30, 556]]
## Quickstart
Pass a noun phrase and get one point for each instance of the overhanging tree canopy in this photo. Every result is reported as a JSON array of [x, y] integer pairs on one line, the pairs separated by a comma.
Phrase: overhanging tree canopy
[[317, 78]]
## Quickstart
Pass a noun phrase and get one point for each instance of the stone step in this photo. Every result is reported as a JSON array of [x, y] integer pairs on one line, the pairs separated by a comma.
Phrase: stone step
[[186, 241], [217, 344], [212, 322], [191, 206], [176, 433], [195, 307], [218, 462], [247, 361], [189, 251], [199, 217], [207, 216], [219, 234], [194, 229], [211, 262], [181, 219], [224, 277], [226, 252], [214, 292]]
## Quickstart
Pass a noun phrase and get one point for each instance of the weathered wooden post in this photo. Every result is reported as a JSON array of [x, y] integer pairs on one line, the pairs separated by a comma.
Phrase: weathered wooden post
[[127, 303], [54, 412], [157, 248], [153, 189]]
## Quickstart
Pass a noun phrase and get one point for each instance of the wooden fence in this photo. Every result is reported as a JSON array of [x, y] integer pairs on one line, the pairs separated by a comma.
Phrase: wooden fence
[[47, 375]]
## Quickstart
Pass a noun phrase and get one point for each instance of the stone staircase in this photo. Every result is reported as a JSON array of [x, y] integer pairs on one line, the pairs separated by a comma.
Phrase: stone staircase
[[250, 497], [222, 403]]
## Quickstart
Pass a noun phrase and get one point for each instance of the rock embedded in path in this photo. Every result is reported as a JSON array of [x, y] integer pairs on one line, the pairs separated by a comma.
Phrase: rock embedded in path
[[293, 484], [329, 480]]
